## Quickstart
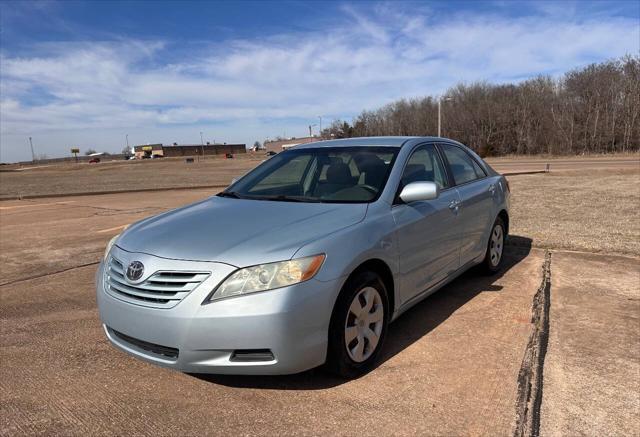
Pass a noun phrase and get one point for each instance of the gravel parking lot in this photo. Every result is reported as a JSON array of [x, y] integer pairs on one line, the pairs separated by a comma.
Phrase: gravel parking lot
[[451, 366]]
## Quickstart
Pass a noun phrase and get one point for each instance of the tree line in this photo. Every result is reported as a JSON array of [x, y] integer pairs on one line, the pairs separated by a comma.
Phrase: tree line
[[594, 109]]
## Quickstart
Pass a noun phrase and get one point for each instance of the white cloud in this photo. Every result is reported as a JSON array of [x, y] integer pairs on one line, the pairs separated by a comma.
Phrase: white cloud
[[75, 90]]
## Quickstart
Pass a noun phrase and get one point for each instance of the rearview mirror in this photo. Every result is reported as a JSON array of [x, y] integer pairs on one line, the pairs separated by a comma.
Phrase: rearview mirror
[[419, 191]]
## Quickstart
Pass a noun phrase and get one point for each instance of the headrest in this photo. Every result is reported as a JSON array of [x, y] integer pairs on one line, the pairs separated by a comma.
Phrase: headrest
[[339, 173]]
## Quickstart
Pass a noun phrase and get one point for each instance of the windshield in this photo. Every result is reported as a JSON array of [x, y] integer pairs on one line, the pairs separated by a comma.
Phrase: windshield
[[323, 174]]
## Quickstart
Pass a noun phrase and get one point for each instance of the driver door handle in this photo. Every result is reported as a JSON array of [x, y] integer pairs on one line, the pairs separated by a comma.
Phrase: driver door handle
[[454, 206]]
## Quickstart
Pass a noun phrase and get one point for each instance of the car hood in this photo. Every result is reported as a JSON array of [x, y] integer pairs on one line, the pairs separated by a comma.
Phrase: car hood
[[239, 232]]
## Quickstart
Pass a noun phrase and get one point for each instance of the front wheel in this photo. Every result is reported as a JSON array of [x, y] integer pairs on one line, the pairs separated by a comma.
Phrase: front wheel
[[358, 325], [495, 247]]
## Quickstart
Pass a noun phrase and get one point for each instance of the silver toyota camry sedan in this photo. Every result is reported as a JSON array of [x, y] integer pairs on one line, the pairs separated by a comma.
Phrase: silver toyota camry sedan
[[305, 260]]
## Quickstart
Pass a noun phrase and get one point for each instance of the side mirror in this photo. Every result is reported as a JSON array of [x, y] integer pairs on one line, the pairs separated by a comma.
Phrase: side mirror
[[419, 191]]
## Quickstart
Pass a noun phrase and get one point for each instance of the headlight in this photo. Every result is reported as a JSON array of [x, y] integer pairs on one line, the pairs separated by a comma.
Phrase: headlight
[[265, 277], [109, 246]]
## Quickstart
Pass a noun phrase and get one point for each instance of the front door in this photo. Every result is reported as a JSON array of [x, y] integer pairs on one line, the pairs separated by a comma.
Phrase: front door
[[427, 231]]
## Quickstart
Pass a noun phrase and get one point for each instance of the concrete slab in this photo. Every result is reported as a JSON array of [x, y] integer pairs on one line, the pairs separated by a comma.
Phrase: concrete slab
[[43, 236], [450, 367], [592, 367]]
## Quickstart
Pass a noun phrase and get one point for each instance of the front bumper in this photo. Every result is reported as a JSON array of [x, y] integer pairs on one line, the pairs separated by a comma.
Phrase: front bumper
[[291, 322]]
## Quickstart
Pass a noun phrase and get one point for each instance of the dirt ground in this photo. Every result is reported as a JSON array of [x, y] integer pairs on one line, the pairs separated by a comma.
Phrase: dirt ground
[[450, 365], [62, 179], [594, 211]]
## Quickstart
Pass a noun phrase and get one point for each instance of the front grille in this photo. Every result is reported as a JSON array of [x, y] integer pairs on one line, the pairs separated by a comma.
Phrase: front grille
[[165, 351], [163, 289]]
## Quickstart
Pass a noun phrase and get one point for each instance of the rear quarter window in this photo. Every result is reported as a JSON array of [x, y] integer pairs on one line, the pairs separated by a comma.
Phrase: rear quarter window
[[463, 167]]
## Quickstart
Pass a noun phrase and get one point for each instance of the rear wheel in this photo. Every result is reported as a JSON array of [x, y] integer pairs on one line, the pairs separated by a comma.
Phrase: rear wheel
[[358, 325], [495, 247]]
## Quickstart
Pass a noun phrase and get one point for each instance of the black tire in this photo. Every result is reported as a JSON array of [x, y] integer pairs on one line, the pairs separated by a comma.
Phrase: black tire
[[338, 359], [489, 266]]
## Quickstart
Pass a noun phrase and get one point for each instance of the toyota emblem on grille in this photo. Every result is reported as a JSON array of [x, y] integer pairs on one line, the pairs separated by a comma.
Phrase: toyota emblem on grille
[[135, 270]]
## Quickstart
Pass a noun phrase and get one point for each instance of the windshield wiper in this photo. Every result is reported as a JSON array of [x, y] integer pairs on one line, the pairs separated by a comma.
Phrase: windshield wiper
[[284, 198], [230, 194], [279, 197]]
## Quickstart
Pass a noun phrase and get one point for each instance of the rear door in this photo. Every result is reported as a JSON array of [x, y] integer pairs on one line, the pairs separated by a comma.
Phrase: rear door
[[477, 196], [428, 233]]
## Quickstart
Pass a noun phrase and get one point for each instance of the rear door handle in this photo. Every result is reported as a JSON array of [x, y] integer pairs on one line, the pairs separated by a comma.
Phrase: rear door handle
[[492, 189]]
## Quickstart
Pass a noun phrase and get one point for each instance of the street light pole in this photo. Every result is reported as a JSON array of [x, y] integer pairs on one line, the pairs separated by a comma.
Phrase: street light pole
[[33, 155], [439, 116], [202, 144], [440, 99]]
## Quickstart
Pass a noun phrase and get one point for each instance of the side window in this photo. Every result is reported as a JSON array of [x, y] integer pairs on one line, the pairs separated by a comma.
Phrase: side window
[[463, 167], [424, 165], [480, 173]]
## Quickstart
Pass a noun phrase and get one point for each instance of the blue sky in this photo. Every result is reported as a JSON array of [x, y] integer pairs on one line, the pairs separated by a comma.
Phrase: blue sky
[[88, 73]]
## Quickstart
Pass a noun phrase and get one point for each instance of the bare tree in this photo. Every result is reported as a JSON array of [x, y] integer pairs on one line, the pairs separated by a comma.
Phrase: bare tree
[[589, 110]]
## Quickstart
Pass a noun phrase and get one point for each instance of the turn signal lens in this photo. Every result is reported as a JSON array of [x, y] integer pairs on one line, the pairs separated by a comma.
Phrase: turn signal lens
[[265, 277], [109, 246], [112, 242]]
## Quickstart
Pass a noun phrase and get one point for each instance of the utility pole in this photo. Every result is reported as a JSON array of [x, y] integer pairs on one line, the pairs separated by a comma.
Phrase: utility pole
[[33, 155], [320, 127]]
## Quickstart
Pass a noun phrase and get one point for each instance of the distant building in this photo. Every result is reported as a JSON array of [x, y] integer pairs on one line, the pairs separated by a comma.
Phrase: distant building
[[280, 145], [148, 150], [188, 150]]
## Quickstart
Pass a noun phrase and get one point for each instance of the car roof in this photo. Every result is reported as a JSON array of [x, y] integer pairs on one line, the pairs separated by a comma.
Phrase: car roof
[[365, 141]]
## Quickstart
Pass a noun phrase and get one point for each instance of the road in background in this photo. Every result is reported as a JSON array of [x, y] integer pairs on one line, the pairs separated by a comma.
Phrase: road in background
[[525, 164]]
